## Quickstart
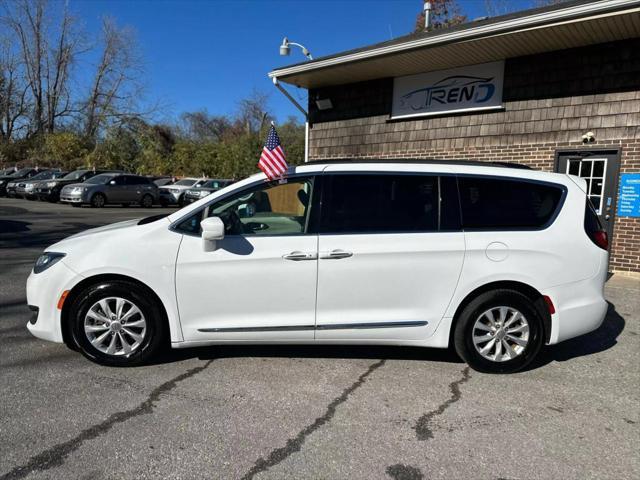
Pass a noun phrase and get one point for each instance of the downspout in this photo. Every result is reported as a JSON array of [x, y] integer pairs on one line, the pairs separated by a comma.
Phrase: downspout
[[303, 111]]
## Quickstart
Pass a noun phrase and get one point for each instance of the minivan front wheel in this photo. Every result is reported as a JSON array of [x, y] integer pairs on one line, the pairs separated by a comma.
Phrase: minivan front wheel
[[115, 323], [499, 332]]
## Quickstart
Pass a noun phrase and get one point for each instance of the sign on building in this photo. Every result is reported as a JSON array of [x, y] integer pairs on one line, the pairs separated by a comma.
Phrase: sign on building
[[464, 89], [629, 198]]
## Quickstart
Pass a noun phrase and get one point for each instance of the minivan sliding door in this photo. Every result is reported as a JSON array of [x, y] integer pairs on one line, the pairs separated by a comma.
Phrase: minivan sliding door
[[390, 253]]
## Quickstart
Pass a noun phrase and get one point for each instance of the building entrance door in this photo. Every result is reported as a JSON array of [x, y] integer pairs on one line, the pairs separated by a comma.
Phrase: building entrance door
[[600, 169]]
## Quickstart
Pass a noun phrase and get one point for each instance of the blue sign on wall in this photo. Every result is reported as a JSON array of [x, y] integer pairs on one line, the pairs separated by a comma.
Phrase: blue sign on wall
[[629, 197]]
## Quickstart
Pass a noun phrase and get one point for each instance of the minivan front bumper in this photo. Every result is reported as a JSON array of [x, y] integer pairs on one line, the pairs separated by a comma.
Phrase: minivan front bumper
[[43, 293]]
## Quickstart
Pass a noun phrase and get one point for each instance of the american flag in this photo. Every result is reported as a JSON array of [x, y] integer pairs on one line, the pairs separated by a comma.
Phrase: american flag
[[272, 161]]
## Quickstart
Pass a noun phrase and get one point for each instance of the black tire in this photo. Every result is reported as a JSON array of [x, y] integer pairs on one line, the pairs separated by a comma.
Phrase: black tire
[[98, 200], [156, 331], [76, 205], [146, 201], [464, 331]]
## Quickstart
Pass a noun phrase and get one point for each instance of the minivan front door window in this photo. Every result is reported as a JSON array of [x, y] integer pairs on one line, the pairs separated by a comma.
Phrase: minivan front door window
[[274, 209]]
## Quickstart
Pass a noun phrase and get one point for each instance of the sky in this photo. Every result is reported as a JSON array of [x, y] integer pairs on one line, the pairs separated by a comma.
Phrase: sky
[[209, 54]]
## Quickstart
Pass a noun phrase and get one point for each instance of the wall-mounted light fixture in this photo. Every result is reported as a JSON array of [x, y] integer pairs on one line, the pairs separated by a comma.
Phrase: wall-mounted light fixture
[[324, 104], [285, 48]]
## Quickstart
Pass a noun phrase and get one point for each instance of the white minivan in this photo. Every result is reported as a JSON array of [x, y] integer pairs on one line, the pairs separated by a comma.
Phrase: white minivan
[[492, 260]]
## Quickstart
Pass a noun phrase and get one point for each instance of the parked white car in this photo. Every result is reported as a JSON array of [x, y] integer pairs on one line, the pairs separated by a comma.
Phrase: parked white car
[[174, 194], [494, 261]]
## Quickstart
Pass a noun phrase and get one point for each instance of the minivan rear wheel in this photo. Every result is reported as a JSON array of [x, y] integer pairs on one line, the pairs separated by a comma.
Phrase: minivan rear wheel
[[499, 331], [117, 323]]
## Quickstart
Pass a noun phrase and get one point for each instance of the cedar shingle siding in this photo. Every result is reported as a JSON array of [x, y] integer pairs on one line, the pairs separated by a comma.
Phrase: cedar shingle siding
[[550, 100]]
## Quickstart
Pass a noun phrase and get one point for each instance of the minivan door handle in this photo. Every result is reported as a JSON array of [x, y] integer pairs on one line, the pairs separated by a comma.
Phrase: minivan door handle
[[299, 256], [335, 255]]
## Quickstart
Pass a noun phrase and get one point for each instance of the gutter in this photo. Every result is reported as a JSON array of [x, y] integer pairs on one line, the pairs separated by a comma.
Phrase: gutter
[[532, 21]]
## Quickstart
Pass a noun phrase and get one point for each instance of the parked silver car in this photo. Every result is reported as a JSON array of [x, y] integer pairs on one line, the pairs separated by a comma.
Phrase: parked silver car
[[106, 188]]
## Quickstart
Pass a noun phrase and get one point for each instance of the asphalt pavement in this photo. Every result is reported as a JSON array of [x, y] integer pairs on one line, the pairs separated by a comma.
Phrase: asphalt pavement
[[305, 412]]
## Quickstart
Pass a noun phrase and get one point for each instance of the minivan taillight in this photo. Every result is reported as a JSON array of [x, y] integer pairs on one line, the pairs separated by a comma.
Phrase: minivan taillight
[[593, 227], [601, 239]]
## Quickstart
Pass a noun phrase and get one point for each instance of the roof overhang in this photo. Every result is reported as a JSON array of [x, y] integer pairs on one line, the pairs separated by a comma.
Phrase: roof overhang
[[575, 25]]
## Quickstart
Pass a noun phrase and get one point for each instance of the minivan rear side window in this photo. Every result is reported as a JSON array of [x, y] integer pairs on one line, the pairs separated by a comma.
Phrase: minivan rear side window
[[507, 203], [378, 203]]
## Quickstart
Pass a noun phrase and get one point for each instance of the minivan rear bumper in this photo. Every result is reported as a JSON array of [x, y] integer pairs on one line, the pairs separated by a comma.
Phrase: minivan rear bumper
[[580, 306]]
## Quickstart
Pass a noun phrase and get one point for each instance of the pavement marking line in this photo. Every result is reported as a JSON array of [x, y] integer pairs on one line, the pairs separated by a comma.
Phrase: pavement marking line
[[295, 444], [423, 427], [55, 456]]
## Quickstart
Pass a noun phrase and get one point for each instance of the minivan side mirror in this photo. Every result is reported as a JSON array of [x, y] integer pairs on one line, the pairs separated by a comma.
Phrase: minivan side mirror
[[212, 232]]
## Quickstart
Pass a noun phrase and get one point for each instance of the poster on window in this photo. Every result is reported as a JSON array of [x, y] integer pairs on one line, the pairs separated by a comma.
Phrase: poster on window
[[469, 88]]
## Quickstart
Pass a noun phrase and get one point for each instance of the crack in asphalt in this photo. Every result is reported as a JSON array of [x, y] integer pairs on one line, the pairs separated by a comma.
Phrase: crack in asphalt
[[56, 455], [423, 428], [295, 444]]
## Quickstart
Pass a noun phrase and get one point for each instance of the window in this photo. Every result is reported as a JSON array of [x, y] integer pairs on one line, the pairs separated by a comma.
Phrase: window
[[266, 209], [136, 180], [379, 203], [100, 179], [506, 203]]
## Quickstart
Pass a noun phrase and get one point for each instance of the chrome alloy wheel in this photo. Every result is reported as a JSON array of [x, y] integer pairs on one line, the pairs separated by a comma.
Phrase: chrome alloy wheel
[[115, 326], [501, 334]]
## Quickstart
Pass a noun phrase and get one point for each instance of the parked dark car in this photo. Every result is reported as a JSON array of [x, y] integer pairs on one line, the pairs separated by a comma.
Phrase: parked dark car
[[106, 188], [27, 188], [50, 191], [8, 183], [207, 188], [8, 171]]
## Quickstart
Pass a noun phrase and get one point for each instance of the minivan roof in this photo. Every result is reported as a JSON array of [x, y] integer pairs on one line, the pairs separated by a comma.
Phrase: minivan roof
[[419, 161]]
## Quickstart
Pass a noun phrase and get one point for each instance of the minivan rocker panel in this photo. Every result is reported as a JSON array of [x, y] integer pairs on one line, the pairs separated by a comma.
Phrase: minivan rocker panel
[[345, 253]]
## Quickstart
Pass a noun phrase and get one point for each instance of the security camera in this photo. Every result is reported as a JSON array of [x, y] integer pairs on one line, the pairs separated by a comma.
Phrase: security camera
[[588, 137]]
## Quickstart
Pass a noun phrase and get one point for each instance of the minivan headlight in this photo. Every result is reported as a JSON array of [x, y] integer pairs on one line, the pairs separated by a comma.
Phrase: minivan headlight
[[46, 260]]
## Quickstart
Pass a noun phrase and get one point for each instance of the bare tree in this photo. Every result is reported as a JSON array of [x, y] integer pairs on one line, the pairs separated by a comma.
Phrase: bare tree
[[115, 88], [13, 92], [48, 54], [201, 126], [252, 112]]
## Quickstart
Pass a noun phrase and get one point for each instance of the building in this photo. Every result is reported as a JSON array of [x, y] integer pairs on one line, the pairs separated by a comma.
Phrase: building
[[555, 88]]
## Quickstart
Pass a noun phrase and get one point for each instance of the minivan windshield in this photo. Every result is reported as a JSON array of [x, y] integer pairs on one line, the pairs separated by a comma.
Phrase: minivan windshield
[[99, 179]]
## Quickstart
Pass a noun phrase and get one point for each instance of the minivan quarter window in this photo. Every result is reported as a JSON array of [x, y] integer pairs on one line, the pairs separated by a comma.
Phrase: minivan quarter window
[[506, 203]]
